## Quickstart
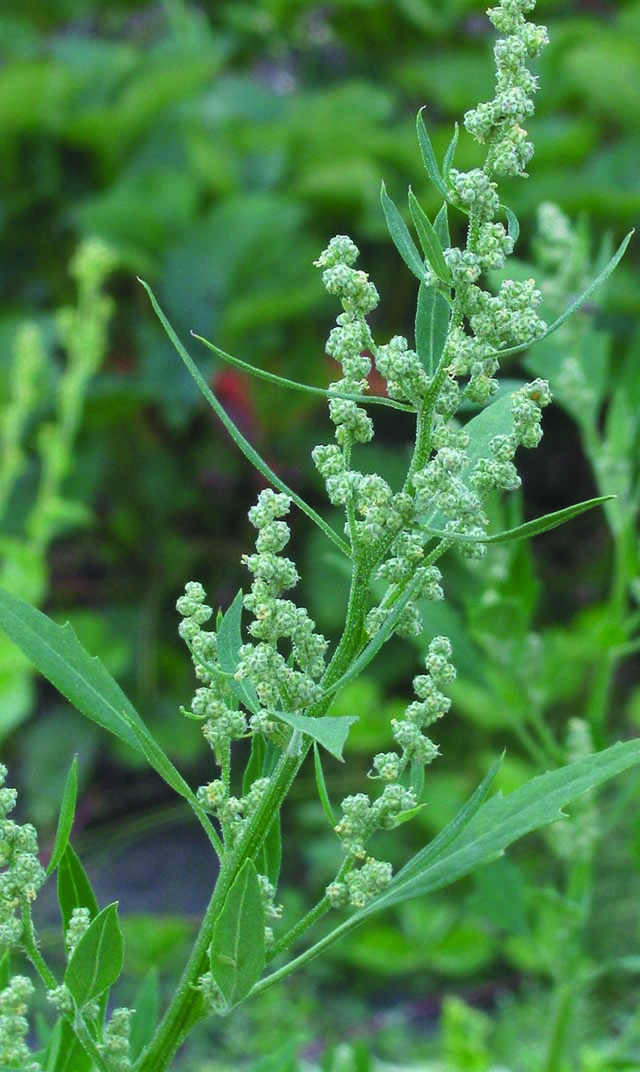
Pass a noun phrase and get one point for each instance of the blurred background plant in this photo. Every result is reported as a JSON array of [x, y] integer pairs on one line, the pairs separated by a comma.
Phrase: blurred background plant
[[213, 148]]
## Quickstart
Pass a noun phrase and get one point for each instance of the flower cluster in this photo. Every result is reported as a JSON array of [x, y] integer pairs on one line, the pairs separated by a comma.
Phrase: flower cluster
[[22, 874], [280, 683], [14, 1051], [498, 122]]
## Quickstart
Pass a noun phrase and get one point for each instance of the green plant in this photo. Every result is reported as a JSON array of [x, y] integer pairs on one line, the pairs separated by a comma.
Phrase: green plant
[[276, 686], [34, 509]]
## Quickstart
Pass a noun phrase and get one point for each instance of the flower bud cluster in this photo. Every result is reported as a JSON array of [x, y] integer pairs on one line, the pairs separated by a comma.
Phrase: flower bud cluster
[[364, 876], [22, 874], [115, 1045], [401, 367], [498, 122], [289, 684], [14, 1051], [271, 909], [78, 926], [232, 812], [431, 705], [214, 704]]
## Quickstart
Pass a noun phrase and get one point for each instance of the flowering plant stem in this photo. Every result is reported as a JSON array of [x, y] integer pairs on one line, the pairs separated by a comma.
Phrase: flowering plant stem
[[272, 682]]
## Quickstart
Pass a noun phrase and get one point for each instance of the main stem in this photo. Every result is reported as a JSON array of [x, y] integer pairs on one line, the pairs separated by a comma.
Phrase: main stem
[[187, 1007]]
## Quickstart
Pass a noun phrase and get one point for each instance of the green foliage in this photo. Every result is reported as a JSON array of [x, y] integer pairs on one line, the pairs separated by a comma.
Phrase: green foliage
[[271, 679]]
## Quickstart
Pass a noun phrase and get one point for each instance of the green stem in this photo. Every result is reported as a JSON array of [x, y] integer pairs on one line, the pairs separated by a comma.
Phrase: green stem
[[313, 915], [560, 1022]]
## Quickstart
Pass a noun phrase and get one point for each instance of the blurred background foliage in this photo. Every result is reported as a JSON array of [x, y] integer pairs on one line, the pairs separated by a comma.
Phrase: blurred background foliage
[[213, 148]]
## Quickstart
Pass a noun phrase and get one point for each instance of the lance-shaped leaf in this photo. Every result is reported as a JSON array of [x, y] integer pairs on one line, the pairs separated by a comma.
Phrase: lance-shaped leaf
[[65, 820], [330, 732], [74, 887], [432, 324], [429, 240], [97, 960], [495, 825], [402, 240], [58, 654], [237, 949], [243, 444], [293, 385], [529, 528], [429, 157], [229, 644], [448, 156]]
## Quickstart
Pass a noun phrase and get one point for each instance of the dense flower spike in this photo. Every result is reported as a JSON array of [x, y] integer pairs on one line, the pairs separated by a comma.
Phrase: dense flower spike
[[22, 874]]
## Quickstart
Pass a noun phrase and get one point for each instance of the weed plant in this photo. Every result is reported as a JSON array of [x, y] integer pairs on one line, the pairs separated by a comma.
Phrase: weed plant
[[271, 681]]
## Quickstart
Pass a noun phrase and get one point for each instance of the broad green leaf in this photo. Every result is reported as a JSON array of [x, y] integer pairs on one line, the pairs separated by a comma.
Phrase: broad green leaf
[[97, 960], [243, 444], [429, 240], [237, 946], [400, 236], [432, 325], [330, 732], [146, 1004], [57, 653], [322, 786], [428, 156], [529, 528], [229, 644], [74, 887], [65, 820]]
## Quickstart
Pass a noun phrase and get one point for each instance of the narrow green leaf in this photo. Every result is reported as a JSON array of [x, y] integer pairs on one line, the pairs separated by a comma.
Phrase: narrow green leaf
[[441, 226], [243, 444], [330, 732], [416, 778], [432, 325], [429, 239], [448, 156], [74, 887], [502, 820], [577, 304], [428, 156], [322, 786], [293, 385], [513, 227], [97, 960], [400, 236], [229, 644], [65, 820], [454, 828], [593, 286], [529, 528], [269, 857], [237, 947]]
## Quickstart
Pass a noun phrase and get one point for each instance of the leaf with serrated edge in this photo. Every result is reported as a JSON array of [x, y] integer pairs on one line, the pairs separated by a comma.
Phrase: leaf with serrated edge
[[328, 731]]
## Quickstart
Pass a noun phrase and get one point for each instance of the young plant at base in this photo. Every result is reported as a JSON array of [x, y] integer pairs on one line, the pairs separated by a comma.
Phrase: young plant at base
[[275, 682]]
